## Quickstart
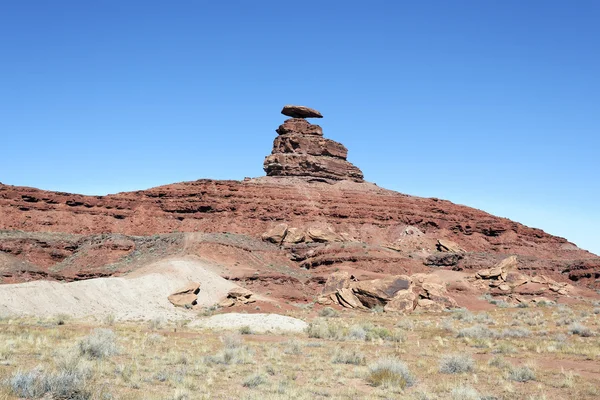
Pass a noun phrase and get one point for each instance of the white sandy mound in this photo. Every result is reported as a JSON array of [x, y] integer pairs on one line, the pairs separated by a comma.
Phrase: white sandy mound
[[140, 295], [258, 323]]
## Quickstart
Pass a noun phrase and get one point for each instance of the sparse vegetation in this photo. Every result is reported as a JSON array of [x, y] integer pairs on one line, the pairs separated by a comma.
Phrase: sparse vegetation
[[456, 364], [72, 361], [99, 344], [389, 372]]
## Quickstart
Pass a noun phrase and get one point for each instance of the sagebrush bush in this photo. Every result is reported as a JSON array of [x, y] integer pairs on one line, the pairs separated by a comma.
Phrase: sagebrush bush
[[254, 380], [357, 332], [476, 332], [581, 330], [63, 384], [456, 364], [390, 372], [515, 333], [521, 374], [464, 392], [352, 356], [99, 344], [328, 312]]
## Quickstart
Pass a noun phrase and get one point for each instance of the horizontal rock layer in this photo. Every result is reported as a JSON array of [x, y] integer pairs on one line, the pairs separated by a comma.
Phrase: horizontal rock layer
[[306, 165], [312, 145]]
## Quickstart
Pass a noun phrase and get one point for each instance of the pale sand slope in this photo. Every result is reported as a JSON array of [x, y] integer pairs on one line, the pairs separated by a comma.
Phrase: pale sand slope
[[258, 323], [139, 295]]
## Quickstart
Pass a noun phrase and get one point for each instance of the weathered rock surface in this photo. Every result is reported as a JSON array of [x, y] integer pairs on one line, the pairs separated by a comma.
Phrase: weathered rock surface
[[186, 296], [306, 165], [300, 112], [299, 127], [237, 296]]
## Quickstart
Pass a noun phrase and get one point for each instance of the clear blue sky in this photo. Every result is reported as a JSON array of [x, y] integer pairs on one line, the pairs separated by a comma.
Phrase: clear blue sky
[[492, 104]]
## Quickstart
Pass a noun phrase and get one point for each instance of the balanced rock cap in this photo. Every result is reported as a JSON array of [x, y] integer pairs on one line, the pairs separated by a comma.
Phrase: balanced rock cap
[[300, 112]]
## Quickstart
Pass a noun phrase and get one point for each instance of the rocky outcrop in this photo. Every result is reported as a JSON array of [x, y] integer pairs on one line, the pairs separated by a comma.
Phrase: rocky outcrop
[[504, 280], [186, 296], [300, 150], [400, 293], [237, 296]]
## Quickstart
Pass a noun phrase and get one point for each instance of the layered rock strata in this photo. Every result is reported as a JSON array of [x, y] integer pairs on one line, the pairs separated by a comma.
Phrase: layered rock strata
[[301, 150]]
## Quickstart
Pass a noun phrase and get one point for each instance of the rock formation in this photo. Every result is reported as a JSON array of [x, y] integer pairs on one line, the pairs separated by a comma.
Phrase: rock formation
[[301, 150]]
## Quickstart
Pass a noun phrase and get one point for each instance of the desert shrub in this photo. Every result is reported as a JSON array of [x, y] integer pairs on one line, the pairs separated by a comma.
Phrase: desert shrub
[[390, 372], [515, 333], [596, 311], [581, 330], [232, 341], [521, 374], [245, 330], [109, 319], [484, 318], [476, 332], [464, 315], [456, 364], [405, 324], [293, 347], [498, 362], [357, 332], [504, 348], [239, 355], [353, 357], [234, 352], [320, 329], [99, 344], [156, 323], [64, 384], [464, 392], [328, 312], [254, 380]]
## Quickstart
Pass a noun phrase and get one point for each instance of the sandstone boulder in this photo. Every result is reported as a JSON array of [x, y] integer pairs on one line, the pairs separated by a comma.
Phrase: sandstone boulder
[[300, 112], [323, 235], [294, 236], [448, 246], [531, 289], [187, 296], [378, 292], [237, 295], [405, 301], [348, 299], [429, 305], [336, 281], [275, 234]]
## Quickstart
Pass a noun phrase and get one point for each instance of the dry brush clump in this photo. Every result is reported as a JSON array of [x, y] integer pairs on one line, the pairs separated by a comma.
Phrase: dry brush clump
[[456, 364], [390, 372]]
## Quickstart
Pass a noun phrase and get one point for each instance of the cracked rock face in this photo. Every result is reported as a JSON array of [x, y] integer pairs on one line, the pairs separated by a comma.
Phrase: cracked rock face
[[301, 150]]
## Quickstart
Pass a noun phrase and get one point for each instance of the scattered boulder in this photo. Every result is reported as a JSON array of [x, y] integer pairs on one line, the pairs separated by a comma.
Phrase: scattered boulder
[[323, 235], [448, 246], [294, 236], [237, 295], [405, 301], [336, 281], [275, 234], [187, 296], [378, 292], [300, 112]]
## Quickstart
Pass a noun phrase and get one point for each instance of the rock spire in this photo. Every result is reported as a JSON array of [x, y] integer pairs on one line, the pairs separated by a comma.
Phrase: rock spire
[[301, 150]]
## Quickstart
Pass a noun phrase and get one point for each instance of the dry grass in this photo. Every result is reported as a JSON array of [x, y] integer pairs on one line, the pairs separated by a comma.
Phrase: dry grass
[[507, 353]]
